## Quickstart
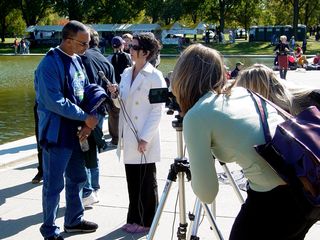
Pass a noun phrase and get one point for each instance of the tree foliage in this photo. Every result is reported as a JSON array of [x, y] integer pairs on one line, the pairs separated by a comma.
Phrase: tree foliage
[[34, 10], [17, 24], [232, 13], [6, 7]]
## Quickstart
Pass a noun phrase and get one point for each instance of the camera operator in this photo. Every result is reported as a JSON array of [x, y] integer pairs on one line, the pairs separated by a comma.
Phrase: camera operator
[[139, 131], [222, 120]]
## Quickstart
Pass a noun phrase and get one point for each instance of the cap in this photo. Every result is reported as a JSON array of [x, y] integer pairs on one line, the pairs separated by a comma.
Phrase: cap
[[117, 41], [239, 63]]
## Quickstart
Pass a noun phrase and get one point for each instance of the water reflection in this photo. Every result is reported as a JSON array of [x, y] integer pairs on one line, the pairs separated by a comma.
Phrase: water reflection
[[17, 93]]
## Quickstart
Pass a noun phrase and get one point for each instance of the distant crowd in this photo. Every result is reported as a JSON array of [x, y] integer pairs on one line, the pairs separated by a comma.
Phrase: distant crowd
[[22, 46]]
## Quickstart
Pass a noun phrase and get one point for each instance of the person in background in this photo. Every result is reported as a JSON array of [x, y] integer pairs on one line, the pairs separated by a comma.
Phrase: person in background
[[139, 131], [38, 177], [27, 43], [127, 37], [16, 45], [237, 69], [212, 110], [316, 59], [261, 79], [156, 60], [22, 46], [282, 50], [304, 45], [292, 43], [94, 61], [298, 51], [59, 83], [120, 60], [302, 62]]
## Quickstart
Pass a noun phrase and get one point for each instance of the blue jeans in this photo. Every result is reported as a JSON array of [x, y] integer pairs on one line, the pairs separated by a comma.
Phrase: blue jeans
[[92, 182], [58, 161]]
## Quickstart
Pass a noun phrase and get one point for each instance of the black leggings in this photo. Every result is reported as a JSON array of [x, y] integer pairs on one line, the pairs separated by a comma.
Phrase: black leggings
[[143, 193], [277, 214]]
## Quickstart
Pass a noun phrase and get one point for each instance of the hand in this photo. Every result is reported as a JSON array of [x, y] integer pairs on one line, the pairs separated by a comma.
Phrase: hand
[[84, 132], [91, 121], [142, 146], [113, 89]]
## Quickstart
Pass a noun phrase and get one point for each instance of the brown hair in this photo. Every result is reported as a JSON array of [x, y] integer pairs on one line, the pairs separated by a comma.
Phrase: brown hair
[[199, 70], [148, 42]]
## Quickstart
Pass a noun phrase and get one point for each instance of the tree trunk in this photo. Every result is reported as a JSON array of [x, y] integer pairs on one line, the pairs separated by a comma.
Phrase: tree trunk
[[306, 14], [221, 20], [295, 18], [3, 29]]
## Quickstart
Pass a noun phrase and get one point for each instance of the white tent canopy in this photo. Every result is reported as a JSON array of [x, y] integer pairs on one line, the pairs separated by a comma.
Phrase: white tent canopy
[[102, 28]]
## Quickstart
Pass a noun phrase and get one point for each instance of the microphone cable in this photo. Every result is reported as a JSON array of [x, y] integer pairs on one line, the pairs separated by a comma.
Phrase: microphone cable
[[142, 172]]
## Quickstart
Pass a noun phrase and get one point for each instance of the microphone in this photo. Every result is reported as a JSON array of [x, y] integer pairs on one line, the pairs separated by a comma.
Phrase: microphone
[[104, 78]]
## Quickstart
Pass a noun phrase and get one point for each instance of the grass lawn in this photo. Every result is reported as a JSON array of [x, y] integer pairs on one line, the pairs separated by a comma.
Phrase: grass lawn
[[240, 47]]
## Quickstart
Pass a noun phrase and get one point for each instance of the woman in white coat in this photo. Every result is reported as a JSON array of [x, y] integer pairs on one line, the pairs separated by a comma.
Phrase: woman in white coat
[[139, 131]]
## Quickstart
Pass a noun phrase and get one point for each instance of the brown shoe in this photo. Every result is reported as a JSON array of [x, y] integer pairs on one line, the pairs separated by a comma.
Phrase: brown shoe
[[37, 178]]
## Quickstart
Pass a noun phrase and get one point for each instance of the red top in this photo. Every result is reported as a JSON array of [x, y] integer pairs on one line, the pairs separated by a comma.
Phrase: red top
[[298, 52], [316, 60]]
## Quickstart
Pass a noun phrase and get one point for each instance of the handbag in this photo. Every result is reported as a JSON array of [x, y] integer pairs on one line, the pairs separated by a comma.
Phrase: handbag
[[293, 152]]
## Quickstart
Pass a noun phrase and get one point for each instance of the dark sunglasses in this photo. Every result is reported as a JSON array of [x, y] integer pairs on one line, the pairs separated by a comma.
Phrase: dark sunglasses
[[84, 44], [135, 47]]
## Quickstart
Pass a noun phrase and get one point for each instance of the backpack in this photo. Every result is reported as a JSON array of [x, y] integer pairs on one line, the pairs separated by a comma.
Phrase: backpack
[[120, 62], [294, 152]]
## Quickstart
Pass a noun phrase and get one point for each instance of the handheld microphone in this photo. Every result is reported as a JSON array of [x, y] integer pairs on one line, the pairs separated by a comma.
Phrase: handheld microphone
[[104, 78]]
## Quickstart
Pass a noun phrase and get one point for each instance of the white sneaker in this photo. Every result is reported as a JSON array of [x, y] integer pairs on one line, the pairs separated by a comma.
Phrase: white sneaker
[[88, 201], [96, 194]]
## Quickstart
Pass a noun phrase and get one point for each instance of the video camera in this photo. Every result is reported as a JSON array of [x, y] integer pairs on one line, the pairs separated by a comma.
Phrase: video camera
[[162, 95]]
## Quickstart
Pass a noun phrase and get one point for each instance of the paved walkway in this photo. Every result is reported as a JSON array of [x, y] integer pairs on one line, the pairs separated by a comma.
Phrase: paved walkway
[[20, 201]]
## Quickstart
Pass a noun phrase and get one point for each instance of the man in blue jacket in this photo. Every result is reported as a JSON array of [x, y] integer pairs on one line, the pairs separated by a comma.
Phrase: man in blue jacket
[[59, 83]]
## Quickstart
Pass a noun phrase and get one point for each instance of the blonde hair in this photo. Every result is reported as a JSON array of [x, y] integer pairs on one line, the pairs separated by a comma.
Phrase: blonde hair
[[283, 38], [261, 79], [198, 70], [127, 35]]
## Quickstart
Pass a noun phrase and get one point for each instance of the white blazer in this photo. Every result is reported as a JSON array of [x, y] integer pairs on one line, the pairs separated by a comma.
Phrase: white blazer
[[139, 115]]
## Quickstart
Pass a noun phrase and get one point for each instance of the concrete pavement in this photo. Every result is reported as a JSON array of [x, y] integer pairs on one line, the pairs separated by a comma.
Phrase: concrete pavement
[[20, 201]]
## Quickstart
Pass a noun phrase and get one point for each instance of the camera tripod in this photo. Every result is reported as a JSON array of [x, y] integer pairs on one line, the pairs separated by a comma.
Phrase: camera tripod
[[198, 206], [179, 169]]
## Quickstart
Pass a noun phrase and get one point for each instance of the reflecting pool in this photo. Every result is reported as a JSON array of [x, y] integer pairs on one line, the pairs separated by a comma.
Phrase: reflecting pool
[[17, 93]]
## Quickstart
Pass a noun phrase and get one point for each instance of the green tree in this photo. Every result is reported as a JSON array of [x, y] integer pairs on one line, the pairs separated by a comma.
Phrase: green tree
[[6, 7], [221, 11], [73, 9], [121, 11], [245, 13], [154, 9], [34, 10], [281, 11], [310, 12], [192, 8], [17, 24], [172, 11]]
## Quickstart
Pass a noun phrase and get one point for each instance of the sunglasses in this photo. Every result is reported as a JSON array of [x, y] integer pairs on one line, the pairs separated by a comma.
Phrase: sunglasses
[[135, 47], [84, 44]]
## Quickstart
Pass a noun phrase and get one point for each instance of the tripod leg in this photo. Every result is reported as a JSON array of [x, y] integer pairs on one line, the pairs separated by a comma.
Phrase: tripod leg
[[194, 223], [182, 229], [233, 182], [212, 221], [157, 216]]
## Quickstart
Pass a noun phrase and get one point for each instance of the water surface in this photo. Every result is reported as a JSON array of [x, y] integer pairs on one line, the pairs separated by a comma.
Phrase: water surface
[[17, 93]]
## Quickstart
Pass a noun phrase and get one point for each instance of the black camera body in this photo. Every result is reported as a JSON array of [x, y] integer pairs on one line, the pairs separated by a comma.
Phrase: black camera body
[[162, 95]]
